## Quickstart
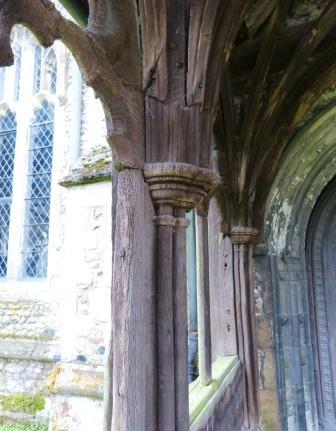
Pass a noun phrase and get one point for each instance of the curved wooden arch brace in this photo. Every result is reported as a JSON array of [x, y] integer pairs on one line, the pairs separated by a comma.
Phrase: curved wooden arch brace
[[314, 81], [101, 50]]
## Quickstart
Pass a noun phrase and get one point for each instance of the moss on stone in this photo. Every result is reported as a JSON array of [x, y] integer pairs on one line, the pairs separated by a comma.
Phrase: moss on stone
[[97, 164], [14, 336], [200, 395], [23, 403], [22, 427]]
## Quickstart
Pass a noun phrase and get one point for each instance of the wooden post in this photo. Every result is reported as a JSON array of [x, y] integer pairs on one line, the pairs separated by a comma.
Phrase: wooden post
[[242, 243], [203, 300], [175, 188], [165, 223], [172, 320], [181, 322], [133, 313]]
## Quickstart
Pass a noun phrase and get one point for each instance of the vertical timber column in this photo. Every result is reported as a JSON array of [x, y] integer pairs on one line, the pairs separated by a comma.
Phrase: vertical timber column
[[133, 313], [242, 242], [203, 299], [165, 222], [181, 320], [175, 188]]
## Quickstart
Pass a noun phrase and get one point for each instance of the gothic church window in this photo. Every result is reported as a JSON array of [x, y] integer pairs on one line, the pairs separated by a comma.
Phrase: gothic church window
[[7, 151], [36, 227], [25, 177], [37, 69]]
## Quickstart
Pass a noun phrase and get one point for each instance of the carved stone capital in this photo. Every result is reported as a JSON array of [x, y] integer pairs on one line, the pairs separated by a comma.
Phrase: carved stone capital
[[243, 234], [179, 184]]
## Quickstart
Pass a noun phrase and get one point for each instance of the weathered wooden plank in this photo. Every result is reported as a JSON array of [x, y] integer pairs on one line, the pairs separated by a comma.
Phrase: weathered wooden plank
[[201, 29], [258, 14], [213, 28], [223, 325], [133, 322], [229, 21], [108, 374], [154, 44], [203, 300]]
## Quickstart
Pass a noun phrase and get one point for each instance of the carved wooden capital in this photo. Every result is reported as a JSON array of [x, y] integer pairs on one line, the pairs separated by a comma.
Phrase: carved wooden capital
[[179, 184], [164, 220], [243, 234], [168, 220]]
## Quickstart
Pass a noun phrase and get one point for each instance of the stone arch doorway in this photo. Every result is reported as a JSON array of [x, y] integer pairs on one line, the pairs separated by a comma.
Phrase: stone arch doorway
[[321, 271], [284, 328]]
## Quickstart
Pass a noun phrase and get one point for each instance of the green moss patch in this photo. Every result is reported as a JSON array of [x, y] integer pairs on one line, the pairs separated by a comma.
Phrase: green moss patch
[[23, 403], [23, 427]]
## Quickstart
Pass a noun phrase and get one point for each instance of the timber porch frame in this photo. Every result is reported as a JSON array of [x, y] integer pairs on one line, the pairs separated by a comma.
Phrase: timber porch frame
[[169, 73]]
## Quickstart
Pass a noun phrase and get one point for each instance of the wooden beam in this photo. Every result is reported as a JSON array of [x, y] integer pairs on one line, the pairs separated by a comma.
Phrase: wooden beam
[[260, 74], [258, 14], [291, 76], [244, 56]]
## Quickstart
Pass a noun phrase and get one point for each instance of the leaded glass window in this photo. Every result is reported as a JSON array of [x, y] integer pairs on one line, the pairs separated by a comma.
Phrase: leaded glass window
[[17, 75], [36, 229], [51, 71], [37, 69], [7, 151]]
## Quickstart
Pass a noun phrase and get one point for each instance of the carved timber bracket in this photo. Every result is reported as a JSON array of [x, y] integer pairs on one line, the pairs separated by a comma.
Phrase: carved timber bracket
[[180, 185], [244, 235]]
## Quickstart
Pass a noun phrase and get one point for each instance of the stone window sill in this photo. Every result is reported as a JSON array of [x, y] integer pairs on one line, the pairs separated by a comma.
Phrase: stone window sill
[[203, 399]]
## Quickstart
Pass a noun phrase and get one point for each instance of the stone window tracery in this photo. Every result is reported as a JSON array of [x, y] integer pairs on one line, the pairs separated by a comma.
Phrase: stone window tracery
[[45, 70]]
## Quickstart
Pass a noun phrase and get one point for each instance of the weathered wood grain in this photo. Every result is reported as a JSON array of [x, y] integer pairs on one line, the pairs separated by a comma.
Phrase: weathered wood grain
[[223, 322], [246, 335], [258, 14], [133, 307]]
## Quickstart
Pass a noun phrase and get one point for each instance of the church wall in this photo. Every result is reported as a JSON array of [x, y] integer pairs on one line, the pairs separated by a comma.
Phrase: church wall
[[54, 331]]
